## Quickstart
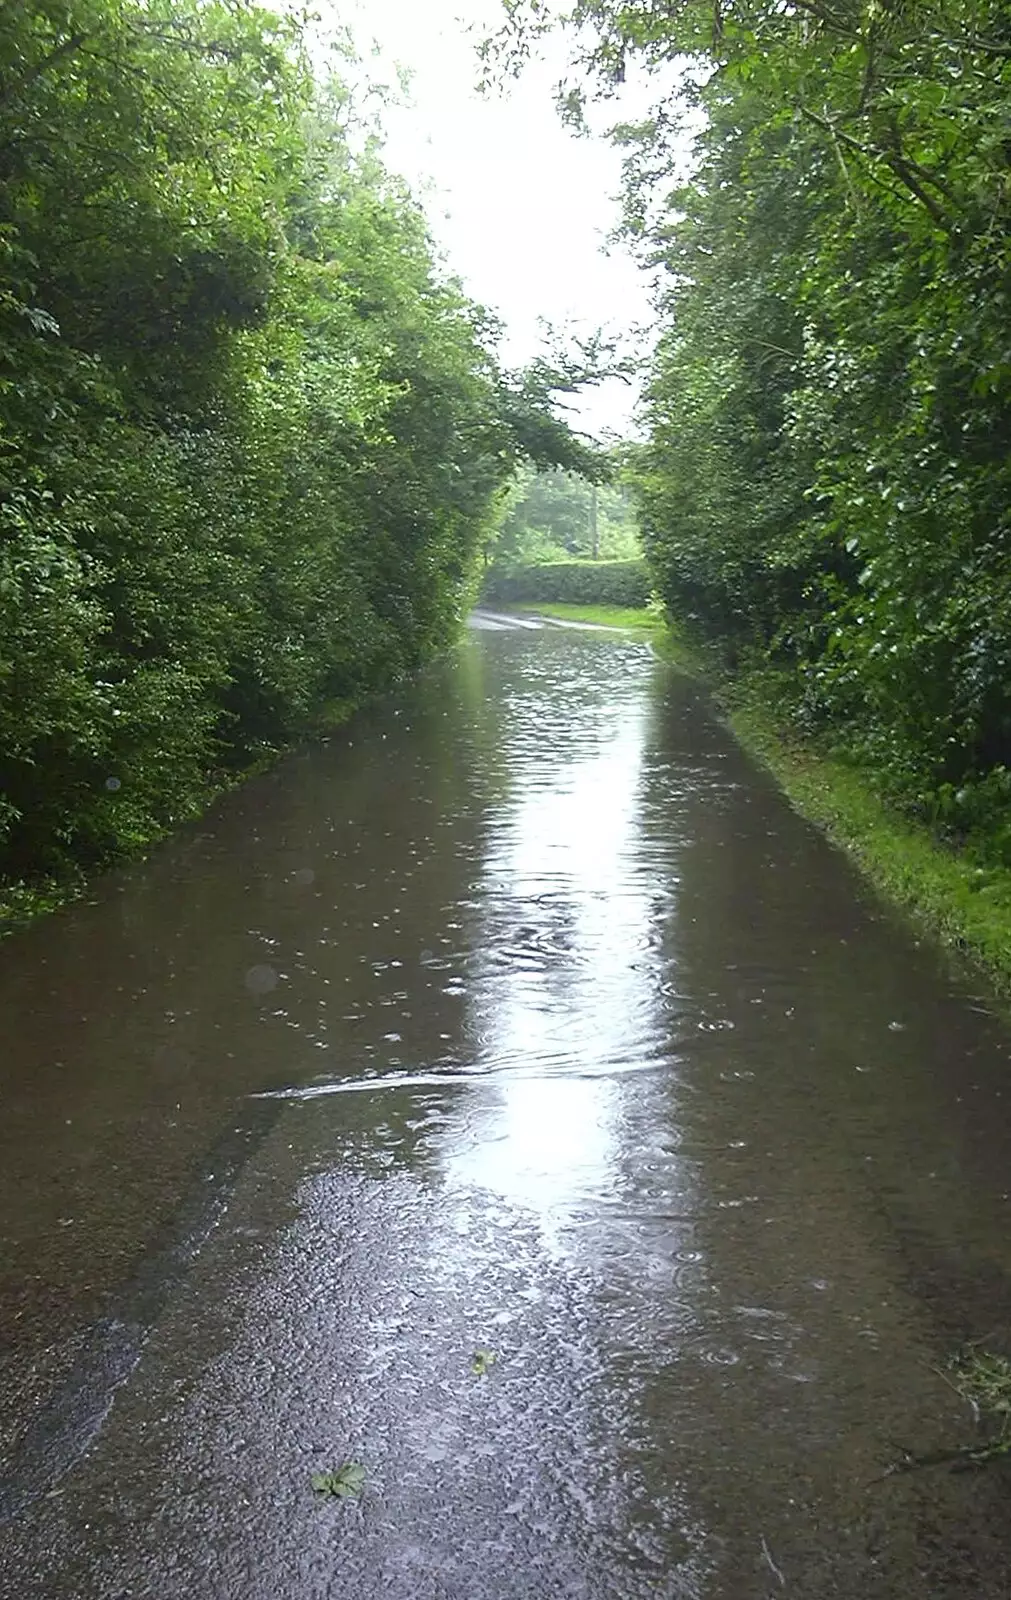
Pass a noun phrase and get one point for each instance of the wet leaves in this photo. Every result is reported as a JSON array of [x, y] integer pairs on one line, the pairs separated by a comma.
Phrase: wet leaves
[[983, 1379], [344, 1484], [482, 1361]]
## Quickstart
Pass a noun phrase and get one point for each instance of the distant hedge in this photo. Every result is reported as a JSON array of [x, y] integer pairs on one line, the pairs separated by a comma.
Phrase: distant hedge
[[578, 583]]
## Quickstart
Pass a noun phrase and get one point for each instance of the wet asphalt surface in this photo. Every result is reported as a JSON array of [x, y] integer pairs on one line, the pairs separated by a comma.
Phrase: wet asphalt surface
[[514, 1097]]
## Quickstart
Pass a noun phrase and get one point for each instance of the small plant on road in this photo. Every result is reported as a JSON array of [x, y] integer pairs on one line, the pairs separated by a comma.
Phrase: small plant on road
[[984, 1380], [344, 1484]]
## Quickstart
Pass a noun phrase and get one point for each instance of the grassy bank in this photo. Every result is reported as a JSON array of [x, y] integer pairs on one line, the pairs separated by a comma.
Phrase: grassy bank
[[639, 620], [947, 892], [964, 904]]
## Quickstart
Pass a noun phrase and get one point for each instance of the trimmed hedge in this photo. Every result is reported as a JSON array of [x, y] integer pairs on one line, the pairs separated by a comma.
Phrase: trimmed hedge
[[577, 583]]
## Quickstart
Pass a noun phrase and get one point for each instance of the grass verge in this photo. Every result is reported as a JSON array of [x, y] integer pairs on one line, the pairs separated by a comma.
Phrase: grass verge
[[643, 622], [965, 905], [947, 892]]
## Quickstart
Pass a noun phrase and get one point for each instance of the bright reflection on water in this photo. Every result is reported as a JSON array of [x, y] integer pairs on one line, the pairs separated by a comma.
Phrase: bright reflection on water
[[562, 996]]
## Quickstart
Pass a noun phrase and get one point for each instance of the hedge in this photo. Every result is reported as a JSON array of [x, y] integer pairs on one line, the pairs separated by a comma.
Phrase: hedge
[[578, 583]]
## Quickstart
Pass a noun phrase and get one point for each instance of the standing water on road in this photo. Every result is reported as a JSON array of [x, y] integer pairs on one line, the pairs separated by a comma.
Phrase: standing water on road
[[514, 1098]]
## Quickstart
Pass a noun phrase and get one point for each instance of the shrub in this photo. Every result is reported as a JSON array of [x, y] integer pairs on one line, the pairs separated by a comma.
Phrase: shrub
[[578, 583]]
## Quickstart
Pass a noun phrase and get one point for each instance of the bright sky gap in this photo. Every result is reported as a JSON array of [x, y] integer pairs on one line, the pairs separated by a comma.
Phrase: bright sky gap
[[521, 207]]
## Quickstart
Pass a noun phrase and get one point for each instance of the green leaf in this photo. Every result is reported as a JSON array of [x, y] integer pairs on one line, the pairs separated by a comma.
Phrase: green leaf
[[344, 1484], [482, 1362]]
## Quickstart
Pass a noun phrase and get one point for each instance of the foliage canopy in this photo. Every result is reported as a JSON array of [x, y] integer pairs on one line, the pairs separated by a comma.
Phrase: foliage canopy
[[250, 436]]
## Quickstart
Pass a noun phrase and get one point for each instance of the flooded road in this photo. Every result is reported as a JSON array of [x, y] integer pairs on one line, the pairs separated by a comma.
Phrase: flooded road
[[522, 1018]]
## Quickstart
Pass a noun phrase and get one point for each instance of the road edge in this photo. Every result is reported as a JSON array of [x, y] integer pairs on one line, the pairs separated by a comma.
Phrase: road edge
[[964, 906]]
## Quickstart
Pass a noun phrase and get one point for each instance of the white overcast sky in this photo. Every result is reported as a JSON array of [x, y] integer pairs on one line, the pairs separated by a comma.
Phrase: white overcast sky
[[520, 206]]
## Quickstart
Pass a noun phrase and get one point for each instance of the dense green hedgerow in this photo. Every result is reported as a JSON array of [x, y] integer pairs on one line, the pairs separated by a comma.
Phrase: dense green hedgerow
[[586, 583], [250, 438]]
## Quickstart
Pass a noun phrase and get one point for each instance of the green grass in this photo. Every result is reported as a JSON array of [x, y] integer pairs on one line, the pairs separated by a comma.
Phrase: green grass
[[983, 1380], [640, 620], [948, 895], [964, 905]]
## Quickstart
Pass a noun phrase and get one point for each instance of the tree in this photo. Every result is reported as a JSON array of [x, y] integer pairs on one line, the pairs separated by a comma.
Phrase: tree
[[551, 516]]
